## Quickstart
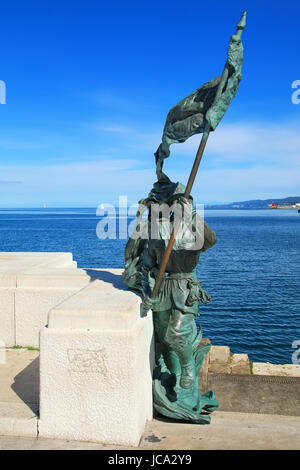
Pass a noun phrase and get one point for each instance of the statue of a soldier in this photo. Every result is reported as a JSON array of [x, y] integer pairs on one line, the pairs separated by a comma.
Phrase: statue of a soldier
[[176, 388], [177, 303], [163, 255]]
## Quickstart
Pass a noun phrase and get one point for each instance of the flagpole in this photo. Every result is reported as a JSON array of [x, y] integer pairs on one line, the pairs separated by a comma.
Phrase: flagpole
[[199, 155]]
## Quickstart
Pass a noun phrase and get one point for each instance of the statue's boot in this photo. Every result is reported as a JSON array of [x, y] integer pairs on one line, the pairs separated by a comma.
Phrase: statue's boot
[[161, 320], [180, 335], [176, 362], [172, 361], [187, 374]]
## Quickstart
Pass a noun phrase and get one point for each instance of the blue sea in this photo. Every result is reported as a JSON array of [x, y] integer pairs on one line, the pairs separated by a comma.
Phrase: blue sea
[[252, 272]]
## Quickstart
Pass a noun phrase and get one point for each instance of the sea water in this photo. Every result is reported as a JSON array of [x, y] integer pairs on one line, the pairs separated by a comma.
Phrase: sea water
[[252, 273]]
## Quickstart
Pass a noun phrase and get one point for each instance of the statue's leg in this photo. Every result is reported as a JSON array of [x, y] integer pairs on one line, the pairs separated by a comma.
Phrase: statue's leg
[[161, 322], [180, 334]]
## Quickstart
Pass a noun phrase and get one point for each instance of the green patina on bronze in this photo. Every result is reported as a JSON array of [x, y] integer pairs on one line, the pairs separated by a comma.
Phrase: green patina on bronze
[[179, 353]]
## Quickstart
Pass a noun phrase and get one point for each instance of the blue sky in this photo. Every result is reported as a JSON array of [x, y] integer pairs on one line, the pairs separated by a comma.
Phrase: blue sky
[[89, 85]]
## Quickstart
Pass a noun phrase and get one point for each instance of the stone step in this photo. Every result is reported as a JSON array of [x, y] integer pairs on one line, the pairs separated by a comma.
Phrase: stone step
[[281, 370], [256, 393], [30, 285], [18, 419], [56, 278], [268, 396], [240, 364], [219, 360], [19, 262], [19, 392]]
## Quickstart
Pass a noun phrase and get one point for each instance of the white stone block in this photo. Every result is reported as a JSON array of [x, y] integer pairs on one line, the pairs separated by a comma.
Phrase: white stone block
[[96, 368], [2, 353], [72, 278], [8, 281], [7, 320], [31, 312], [33, 283], [58, 260], [18, 262]]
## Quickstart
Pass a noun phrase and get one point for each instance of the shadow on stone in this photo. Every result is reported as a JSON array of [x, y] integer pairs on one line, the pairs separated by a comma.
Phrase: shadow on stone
[[26, 385], [115, 279], [164, 419]]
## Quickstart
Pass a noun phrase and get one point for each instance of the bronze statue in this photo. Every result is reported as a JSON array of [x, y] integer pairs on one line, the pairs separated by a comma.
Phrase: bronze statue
[[163, 254]]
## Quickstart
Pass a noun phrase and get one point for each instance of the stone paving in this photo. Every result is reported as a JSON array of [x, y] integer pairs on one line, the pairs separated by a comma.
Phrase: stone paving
[[228, 429]]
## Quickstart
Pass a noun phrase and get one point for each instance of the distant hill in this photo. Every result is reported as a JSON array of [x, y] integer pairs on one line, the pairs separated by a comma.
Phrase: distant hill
[[255, 203]]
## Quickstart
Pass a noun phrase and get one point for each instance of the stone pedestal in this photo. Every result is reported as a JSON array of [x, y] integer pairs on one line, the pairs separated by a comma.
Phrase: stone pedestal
[[96, 360]]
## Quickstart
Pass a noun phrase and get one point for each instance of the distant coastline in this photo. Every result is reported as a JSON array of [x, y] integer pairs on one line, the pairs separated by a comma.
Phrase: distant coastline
[[292, 202]]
